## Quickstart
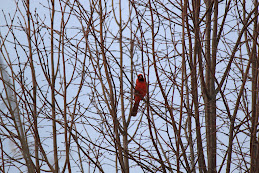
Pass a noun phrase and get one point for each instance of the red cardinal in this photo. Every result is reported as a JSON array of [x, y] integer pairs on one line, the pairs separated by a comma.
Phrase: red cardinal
[[140, 92]]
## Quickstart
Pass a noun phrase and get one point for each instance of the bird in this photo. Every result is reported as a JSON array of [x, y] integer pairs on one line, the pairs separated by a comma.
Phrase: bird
[[140, 92]]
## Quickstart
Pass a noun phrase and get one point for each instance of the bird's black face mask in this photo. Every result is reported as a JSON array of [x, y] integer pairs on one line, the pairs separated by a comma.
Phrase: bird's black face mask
[[140, 78]]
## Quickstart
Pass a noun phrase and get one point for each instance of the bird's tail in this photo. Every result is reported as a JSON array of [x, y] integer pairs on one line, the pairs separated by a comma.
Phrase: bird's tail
[[134, 110]]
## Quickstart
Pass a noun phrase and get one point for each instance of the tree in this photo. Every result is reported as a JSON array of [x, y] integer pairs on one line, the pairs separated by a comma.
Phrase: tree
[[68, 71]]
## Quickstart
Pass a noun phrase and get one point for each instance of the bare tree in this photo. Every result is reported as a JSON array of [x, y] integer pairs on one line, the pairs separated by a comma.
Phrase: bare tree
[[68, 70]]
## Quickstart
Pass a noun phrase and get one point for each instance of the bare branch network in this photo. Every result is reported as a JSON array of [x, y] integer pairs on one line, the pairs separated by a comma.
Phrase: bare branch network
[[67, 75]]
